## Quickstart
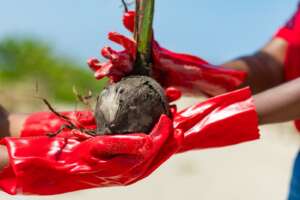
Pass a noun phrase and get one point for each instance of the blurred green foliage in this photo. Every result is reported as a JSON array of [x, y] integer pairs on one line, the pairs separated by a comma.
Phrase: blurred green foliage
[[30, 59]]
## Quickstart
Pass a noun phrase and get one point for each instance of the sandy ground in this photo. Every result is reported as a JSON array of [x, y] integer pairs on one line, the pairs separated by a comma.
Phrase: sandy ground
[[251, 171]]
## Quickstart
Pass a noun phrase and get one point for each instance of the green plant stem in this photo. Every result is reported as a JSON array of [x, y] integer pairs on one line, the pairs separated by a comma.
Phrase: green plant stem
[[143, 35]]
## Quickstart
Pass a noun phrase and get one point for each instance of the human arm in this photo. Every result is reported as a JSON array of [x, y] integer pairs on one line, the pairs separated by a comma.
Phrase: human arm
[[279, 104], [276, 75], [265, 68], [275, 99]]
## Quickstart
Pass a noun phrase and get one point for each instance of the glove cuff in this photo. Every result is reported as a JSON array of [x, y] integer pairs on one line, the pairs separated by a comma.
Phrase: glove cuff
[[221, 121]]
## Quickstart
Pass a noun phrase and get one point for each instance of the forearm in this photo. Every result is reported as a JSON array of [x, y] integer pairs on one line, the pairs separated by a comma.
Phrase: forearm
[[264, 68], [279, 104]]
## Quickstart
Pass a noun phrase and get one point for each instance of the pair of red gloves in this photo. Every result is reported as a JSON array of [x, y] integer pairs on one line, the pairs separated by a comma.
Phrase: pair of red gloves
[[74, 160]]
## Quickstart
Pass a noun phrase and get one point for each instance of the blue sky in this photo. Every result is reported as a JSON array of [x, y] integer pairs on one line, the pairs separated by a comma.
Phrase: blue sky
[[216, 30]]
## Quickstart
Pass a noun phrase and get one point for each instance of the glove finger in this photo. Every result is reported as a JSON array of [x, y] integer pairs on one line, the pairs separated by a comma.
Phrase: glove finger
[[108, 70], [109, 53], [161, 131], [114, 69], [128, 20], [124, 41], [94, 64], [172, 94]]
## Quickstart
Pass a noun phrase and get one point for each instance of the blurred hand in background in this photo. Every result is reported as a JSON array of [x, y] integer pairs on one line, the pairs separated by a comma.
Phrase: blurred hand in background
[[4, 122]]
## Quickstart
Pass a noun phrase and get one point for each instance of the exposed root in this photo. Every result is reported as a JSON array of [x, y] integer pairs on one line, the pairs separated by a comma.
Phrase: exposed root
[[59, 130], [126, 4], [84, 99], [70, 125]]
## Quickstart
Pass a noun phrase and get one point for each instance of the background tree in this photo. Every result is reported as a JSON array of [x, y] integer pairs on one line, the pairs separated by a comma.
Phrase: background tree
[[25, 61]]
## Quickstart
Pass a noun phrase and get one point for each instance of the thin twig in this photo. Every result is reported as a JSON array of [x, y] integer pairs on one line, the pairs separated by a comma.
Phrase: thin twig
[[67, 119], [70, 125], [36, 87], [59, 131], [84, 99]]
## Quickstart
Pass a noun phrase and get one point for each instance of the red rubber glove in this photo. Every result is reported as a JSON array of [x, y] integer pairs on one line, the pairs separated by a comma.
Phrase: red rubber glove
[[291, 33], [73, 160], [187, 72], [43, 123], [45, 166], [220, 121]]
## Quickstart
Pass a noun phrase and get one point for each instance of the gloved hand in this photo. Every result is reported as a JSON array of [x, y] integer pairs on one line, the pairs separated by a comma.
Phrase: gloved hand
[[43, 165], [190, 73], [73, 160], [220, 121]]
